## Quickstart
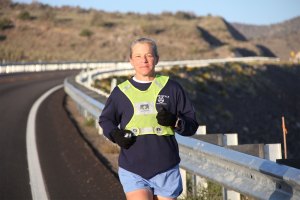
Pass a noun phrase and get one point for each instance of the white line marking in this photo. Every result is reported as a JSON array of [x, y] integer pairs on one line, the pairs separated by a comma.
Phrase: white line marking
[[38, 188]]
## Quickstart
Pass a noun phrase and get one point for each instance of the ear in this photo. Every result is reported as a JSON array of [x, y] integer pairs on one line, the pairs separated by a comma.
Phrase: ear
[[157, 59], [130, 60]]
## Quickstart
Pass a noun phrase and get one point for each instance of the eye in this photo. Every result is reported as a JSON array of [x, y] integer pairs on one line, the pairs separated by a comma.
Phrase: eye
[[149, 55]]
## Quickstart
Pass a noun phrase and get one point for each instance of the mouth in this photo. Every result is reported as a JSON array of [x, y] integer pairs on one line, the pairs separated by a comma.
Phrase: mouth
[[144, 66]]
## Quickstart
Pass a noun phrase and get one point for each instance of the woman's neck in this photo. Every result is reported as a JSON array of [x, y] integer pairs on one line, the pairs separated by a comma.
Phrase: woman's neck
[[144, 78], [142, 81]]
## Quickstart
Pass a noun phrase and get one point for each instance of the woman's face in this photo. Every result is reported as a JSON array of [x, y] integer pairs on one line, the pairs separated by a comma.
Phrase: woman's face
[[143, 61]]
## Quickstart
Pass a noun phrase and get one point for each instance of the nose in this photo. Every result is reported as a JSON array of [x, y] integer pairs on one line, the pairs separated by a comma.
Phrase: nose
[[144, 59]]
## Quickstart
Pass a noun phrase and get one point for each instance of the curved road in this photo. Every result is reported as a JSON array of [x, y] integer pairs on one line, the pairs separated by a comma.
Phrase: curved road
[[69, 167]]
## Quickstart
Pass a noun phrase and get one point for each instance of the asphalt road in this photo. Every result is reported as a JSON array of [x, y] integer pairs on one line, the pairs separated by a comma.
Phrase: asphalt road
[[69, 167]]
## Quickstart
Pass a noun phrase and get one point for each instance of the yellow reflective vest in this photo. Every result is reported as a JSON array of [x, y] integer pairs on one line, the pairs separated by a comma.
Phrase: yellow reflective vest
[[144, 120]]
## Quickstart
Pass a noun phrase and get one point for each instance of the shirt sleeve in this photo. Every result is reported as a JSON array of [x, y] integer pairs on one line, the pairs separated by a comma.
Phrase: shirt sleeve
[[109, 119], [186, 113]]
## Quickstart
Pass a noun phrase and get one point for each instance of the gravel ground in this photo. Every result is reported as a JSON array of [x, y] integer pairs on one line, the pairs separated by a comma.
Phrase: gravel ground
[[105, 150]]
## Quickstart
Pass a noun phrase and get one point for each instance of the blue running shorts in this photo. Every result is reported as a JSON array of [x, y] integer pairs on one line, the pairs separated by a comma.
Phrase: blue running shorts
[[167, 184]]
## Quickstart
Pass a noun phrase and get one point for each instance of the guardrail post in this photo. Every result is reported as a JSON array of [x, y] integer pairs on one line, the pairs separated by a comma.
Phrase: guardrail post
[[100, 131], [184, 183], [97, 126], [113, 84], [198, 184], [85, 114], [194, 185], [89, 79], [197, 181], [201, 130], [272, 151], [230, 139]]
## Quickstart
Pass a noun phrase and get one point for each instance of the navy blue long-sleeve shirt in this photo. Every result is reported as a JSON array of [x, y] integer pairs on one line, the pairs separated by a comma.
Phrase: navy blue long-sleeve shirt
[[150, 154]]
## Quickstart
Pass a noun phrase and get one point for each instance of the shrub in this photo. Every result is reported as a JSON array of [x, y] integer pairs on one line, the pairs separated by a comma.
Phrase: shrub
[[86, 33], [108, 24], [167, 14], [185, 15], [2, 37], [213, 191], [25, 15], [103, 84], [152, 29], [48, 15], [89, 122], [236, 67], [6, 24], [99, 20], [206, 76], [63, 21], [12, 55]]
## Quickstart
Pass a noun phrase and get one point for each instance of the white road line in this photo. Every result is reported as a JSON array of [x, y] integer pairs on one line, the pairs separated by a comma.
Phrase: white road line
[[38, 188]]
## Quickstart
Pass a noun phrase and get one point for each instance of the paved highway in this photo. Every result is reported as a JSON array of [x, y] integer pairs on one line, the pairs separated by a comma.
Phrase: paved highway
[[69, 167]]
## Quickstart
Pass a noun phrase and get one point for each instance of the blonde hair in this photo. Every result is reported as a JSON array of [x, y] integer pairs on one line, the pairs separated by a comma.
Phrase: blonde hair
[[147, 41]]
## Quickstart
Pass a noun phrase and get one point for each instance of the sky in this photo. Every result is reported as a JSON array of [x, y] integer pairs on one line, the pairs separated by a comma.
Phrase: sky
[[256, 12]]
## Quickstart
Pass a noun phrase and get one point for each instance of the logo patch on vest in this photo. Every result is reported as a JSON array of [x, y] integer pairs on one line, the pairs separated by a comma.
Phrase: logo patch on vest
[[158, 130], [162, 99], [144, 108]]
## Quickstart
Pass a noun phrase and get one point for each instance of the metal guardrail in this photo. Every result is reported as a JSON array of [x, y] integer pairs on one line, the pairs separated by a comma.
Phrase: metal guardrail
[[6, 68], [92, 107], [253, 176]]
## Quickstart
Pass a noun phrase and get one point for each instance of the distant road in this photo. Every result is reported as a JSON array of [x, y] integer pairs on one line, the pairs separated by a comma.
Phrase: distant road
[[70, 169]]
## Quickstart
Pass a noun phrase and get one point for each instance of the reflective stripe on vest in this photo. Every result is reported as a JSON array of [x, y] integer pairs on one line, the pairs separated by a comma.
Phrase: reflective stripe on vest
[[144, 120]]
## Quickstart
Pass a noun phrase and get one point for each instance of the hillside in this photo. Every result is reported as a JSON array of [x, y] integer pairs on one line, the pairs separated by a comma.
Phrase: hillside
[[248, 99], [281, 38], [37, 32]]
